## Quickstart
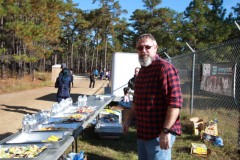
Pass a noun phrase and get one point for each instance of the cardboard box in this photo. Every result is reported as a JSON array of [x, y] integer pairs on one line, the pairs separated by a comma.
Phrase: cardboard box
[[123, 110], [198, 125], [210, 128], [199, 149]]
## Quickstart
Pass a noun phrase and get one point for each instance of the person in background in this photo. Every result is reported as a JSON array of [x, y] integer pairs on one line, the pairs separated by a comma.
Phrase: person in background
[[126, 97], [125, 101], [109, 74], [63, 83], [101, 74], [96, 73], [71, 72], [132, 81], [64, 67], [106, 74], [156, 104], [92, 79]]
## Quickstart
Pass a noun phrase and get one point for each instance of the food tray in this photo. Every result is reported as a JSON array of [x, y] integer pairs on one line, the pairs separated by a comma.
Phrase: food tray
[[58, 127], [54, 120], [88, 110], [13, 149], [71, 110], [40, 137], [78, 116]]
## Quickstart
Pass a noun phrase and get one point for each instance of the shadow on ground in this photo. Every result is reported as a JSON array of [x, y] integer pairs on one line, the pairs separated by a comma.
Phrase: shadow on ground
[[117, 144], [4, 135], [95, 156], [52, 97], [19, 109]]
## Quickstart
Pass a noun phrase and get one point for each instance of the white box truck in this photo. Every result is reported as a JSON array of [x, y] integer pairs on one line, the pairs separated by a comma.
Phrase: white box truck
[[123, 66]]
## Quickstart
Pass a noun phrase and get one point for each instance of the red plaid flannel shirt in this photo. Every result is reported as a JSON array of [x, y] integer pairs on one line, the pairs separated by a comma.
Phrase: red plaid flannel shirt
[[157, 86]]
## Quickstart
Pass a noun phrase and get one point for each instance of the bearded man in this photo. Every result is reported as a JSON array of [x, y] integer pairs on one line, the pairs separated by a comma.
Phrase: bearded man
[[156, 103]]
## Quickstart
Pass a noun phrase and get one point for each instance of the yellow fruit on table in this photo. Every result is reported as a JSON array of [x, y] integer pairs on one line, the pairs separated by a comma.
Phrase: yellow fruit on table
[[52, 138]]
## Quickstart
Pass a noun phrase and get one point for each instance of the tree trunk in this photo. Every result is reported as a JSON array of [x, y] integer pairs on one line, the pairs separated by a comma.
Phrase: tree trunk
[[105, 54], [93, 54], [3, 71], [44, 64], [85, 60], [97, 53], [71, 65]]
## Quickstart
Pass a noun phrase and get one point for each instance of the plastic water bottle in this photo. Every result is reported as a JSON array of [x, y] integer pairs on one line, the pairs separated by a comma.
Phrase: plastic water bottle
[[70, 101], [80, 101], [84, 100], [79, 156], [218, 142], [25, 124]]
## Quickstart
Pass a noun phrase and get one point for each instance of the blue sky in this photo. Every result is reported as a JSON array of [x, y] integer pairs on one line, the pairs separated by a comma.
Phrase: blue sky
[[132, 5]]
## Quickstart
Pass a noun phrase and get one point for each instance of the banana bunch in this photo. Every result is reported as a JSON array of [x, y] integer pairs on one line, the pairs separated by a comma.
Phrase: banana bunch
[[52, 138]]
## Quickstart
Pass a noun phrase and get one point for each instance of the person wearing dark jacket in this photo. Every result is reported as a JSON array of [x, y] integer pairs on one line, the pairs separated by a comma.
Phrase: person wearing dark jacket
[[63, 83], [131, 82], [69, 73], [92, 79]]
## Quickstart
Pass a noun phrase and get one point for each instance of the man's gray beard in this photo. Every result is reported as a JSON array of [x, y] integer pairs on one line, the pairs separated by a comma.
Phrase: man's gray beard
[[145, 61]]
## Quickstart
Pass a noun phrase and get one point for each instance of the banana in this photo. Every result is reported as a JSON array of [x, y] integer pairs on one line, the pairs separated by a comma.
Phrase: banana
[[52, 138]]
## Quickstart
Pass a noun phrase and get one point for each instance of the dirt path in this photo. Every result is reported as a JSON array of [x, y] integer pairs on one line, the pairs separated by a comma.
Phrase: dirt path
[[13, 106]]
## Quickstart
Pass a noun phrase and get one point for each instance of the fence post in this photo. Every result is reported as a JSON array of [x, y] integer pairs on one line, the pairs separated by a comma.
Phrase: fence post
[[168, 57], [193, 79], [237, 25], [237, 99]]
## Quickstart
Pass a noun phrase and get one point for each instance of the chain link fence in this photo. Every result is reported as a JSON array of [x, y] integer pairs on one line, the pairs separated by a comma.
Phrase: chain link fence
[[210, 81]]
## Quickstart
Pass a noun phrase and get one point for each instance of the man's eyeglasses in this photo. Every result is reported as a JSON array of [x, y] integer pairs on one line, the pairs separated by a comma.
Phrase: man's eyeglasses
[[147, 47]]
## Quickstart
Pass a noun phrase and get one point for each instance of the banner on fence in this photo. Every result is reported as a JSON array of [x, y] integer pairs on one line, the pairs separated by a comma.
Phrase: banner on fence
[[218, 78]]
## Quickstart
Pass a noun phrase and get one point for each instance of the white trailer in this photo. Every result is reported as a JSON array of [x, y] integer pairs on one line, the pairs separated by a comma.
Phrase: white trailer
[[123, 66]]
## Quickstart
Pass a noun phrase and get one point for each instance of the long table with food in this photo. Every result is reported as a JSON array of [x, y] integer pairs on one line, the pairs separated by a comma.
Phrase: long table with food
[[47, 136]]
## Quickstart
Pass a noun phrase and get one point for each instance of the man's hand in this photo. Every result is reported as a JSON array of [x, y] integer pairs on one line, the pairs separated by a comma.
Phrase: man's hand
[[164, 141]]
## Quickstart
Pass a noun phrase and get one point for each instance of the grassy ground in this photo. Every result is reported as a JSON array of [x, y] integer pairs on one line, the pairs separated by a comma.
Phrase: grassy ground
[[13, 84], [182, 146], [125, 147]]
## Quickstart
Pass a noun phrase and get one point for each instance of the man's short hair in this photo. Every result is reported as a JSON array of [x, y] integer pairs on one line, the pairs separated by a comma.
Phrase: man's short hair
[[146, 36]]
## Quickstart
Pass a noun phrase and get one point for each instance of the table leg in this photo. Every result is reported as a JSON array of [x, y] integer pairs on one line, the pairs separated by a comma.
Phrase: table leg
[[73, 146], [76, 150]]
